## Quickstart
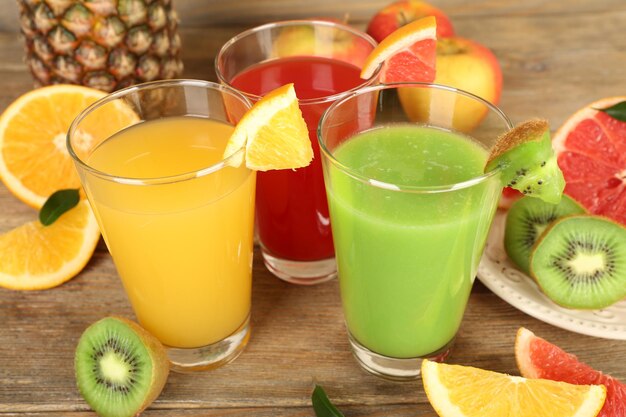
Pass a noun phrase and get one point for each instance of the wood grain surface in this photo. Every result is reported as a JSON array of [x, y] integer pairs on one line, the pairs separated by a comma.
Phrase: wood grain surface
[[556, 57]]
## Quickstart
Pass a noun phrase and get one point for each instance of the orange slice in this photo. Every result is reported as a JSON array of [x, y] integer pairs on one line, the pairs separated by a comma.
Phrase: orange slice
[[464, 391], [37, 257], [407, 55], [274, 134], [34, 161], [538, 358]]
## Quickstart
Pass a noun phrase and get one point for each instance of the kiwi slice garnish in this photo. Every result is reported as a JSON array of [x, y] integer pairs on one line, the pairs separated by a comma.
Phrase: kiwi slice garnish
[[580, 262], [526, 221], [528, 164], [120, 367]]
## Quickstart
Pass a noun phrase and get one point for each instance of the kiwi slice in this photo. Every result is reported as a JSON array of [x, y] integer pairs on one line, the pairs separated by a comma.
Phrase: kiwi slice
[[120, 367], [580, 262], [525, 222], [528, 162]]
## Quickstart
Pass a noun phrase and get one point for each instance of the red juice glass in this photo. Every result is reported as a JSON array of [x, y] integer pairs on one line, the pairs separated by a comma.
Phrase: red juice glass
[[323, 60]]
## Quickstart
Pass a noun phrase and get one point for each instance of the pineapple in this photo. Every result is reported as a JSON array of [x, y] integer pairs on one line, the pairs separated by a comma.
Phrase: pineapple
[[104, 44]]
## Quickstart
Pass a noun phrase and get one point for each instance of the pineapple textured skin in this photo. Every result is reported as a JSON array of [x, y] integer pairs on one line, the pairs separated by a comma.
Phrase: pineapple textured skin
[[103, 44]]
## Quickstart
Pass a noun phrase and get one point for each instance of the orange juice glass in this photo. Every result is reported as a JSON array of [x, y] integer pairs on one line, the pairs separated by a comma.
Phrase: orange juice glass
[[176, 217]]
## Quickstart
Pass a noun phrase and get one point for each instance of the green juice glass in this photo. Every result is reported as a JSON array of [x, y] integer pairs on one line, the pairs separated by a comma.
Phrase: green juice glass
[[410, 210]]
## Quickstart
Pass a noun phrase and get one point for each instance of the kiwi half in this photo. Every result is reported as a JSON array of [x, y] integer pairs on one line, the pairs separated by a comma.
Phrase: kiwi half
[[526, 221], [528, 162], [580, 262], [120, 367]]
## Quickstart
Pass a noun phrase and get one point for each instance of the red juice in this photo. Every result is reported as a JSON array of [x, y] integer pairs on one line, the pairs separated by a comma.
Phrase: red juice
[[291, 208]]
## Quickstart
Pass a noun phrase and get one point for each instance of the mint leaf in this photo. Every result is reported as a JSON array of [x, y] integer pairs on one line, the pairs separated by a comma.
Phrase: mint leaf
[[616, 111], [57, 204], [322, 405]]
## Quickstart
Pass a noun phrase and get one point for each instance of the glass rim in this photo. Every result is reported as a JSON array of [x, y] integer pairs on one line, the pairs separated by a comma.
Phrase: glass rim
[[402, 187], [296, 22], [153, 85]]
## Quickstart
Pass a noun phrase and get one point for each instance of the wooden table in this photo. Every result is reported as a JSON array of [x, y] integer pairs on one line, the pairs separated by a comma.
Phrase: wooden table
[[557, 56]]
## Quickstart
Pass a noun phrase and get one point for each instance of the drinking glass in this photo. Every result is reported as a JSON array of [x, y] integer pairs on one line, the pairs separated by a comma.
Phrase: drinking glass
[[323, 60], [410, 209], [177, 218]]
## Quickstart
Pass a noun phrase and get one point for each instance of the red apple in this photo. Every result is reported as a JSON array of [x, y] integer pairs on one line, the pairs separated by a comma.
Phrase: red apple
[[467, 65], [402, 12], [509, 196], [307, 40]]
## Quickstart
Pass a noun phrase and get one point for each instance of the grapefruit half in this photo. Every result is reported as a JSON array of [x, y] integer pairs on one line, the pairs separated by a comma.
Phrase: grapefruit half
[[538, 358], [591, 152]]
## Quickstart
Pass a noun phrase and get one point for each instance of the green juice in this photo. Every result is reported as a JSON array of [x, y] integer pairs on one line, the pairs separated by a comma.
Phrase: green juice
[[407, 258]]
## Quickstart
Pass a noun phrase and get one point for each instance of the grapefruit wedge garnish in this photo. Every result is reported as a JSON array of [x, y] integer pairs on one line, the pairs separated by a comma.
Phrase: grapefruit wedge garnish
[[591, 152], [407, 55], [538, 358]]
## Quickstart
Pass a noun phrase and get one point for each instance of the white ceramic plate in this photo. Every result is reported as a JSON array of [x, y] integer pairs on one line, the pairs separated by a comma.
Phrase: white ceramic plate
[[502, 277]]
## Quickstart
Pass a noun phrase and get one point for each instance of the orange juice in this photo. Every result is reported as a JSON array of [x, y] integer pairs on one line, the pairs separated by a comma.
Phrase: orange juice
[[179, 226]]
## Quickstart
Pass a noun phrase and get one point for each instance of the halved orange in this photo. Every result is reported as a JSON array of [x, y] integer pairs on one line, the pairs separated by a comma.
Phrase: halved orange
[[37, 257], [273, 132], [464, 391], [34, 161], [407, 55]]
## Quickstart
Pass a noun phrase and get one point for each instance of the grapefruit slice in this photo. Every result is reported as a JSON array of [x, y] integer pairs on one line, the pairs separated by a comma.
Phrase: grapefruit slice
[[591, 152], [537, 358], [407, 55]]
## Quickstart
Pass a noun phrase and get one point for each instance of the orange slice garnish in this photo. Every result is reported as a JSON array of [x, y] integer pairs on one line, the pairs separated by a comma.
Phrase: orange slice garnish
[[274, 134]]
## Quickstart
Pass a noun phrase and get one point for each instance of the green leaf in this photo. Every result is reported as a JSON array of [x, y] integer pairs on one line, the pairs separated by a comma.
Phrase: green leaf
[[57, 204], [322, 405], [616, 111]]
